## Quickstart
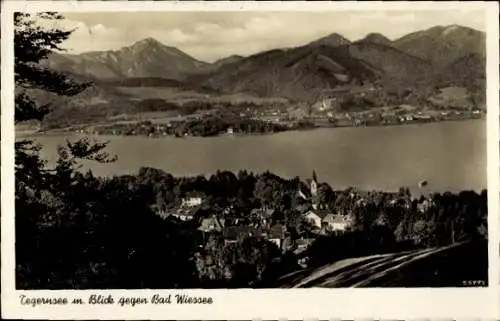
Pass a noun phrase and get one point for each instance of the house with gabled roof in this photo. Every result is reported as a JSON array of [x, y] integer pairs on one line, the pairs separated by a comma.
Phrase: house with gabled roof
[[212, 224], [316, 216], [192, 201], [313, 218], [338, 222]]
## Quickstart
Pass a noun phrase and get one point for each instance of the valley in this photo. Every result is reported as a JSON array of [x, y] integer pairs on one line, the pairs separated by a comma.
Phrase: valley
[[329, 82]]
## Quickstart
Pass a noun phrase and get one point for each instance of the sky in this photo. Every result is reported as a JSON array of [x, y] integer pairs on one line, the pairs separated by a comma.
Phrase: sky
[[209, 36]]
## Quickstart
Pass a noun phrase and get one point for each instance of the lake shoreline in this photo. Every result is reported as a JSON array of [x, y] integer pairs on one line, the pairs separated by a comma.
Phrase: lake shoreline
[[61, 131], [450, 155]]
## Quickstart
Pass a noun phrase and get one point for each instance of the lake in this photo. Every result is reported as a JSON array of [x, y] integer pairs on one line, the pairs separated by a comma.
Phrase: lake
[[449, 155]]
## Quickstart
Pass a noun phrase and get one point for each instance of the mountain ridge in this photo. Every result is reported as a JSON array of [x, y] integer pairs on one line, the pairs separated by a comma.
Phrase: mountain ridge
[[443, 44], [144, 58], [432, 56], [333, 39], [376, 38]]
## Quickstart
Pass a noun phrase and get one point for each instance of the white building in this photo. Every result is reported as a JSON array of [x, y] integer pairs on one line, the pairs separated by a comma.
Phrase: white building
[[183, 215], [313, 218], [338, 222], [191, 201]]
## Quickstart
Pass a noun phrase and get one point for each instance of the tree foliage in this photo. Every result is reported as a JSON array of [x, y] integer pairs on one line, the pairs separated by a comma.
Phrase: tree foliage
[[48, 202], [240, 264]]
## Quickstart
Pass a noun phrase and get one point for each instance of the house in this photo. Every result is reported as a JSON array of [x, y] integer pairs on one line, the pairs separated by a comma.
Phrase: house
[[327, 103], [327, 221], [231, 234], [261, 216], [313, 218], [303, 262], [337, 222], [183, 215], [212, 224], [302, 244], [160, 212], [191, 201]]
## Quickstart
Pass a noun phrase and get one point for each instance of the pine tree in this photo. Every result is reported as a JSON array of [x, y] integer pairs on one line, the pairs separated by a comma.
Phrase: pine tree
[[46, 198], [33, 42]]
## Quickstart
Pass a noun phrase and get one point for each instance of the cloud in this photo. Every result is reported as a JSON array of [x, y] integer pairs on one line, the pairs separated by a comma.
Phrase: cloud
[[96, 29], [213, 35], [175, 36]]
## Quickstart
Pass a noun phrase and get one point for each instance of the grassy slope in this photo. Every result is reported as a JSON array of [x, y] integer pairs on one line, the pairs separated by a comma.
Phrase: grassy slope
[[437, 267]]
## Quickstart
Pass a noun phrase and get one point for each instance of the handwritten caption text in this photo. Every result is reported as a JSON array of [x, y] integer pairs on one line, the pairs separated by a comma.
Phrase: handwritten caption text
[[124, 301]]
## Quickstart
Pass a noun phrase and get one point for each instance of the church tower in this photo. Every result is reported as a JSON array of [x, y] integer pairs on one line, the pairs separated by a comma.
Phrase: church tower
[[314, 189], [314, 185]]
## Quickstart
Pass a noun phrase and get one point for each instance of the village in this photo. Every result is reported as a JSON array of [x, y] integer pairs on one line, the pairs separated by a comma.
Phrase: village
[[270, 121], [317, 217]]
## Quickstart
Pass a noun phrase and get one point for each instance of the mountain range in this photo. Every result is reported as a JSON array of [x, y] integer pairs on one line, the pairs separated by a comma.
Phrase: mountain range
[[145, 58], [433, 57]]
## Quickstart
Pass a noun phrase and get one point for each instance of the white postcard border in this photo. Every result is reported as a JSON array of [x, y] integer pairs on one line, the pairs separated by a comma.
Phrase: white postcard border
[[458, 303]]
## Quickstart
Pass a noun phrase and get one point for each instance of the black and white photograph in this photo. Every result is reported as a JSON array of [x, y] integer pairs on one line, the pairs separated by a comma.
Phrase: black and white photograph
[[250, 149]]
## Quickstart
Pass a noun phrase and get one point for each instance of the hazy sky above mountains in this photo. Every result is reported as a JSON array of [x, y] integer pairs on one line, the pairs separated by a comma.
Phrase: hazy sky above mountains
[[212, 35]]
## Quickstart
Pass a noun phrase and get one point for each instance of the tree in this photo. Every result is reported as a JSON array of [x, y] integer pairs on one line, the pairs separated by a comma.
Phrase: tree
[[423, 231], [265, 190], [211, 264], [324, 195], [253, 256], [34, 42], [46, 198]]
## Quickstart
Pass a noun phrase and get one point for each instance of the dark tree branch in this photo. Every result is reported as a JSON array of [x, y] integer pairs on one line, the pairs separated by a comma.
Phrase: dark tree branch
[[36, 77]]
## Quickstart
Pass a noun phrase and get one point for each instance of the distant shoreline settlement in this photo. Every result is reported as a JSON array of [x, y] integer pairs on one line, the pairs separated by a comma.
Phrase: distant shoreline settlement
[[217, 124]]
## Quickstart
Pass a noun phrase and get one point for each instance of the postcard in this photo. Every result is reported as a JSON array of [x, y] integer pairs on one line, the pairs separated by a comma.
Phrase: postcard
[[245, 160]]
